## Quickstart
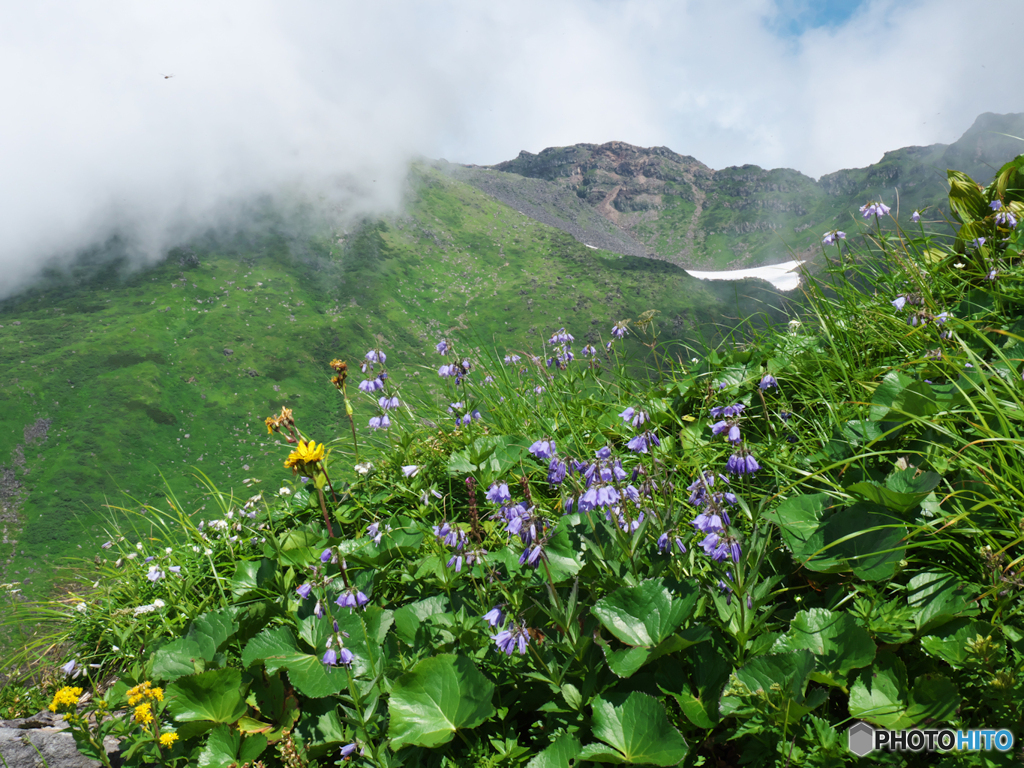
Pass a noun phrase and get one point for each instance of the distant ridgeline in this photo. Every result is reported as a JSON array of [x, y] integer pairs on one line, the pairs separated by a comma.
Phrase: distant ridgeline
[[656, 203]]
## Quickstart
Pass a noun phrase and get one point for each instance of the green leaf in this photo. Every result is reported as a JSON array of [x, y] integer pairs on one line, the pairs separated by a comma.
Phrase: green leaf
[[899, 398], [561, 556], [902, 492], [938, 598], [839, 643], [251, 575], [777, 681], [409, 618], [965, 197], [698, 696], [799, 521], [437, 697], [225, 748], [488, 457], [178, 658], [558, 754], [868, 539], [216, 695], [951, 644], [880, 696], [638, 730], [278, 649], [643, 615]]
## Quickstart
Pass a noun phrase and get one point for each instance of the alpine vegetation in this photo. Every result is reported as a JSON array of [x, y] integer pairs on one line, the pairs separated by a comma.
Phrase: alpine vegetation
[[726, 561]]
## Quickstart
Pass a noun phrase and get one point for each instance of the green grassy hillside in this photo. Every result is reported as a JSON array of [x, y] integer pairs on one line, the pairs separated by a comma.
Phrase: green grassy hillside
[[108, 374]]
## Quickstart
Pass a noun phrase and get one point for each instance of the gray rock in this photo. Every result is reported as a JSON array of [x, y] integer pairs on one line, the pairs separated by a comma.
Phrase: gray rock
[[44, 742]]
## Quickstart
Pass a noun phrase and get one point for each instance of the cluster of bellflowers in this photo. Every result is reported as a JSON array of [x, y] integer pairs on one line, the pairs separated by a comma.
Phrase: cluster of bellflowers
[[563, 355], [713, 519], [458, 370], [919, 317], [875, 208], [742, 461], [375, 383], [464, 415], [532, 531], [315, 587]]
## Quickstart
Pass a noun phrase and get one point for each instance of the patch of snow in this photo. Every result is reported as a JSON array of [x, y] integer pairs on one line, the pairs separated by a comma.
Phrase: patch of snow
[[782, 276]]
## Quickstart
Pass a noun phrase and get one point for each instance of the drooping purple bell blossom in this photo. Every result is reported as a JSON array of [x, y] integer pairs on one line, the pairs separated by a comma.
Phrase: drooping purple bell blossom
[[543, 449], [741, 463], [556, 471], [619, 330], [767, 382], [511, 639], [876, 209], [495, 616], [376, 356], [441, 346], [498, 493], [831, 237]]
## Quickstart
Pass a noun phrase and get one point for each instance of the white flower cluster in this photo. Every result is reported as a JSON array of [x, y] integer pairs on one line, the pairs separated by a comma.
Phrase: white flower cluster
[[149, 608]]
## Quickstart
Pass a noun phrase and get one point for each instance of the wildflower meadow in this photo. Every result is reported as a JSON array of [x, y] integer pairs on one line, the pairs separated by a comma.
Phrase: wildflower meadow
[[716, 556]]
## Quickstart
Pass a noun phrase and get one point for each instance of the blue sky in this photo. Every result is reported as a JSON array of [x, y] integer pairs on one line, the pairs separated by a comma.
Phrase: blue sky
[[267, 95], [796, 17]]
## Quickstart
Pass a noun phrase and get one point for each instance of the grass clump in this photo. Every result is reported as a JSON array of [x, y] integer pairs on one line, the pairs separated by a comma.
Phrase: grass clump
[[729, 561]]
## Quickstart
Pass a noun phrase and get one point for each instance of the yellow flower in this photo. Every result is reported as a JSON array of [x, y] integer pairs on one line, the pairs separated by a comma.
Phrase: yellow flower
[[65, 698], [144, 714], [157, 694], [306, 453], [141, 692], [167, 739], [272, 424]]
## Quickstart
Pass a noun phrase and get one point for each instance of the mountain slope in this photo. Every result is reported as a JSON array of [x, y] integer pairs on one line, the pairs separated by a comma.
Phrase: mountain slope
[[656, 203], [110, 375]]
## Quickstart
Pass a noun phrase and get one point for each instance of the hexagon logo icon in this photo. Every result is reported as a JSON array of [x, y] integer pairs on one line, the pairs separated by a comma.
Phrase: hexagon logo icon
[[860, 739]]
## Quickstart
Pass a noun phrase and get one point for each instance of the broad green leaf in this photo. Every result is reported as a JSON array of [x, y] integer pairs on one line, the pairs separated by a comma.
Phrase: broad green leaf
[[799, 520], [880, 696], [698, 696], [437, 697], [838, 643], [953, 642], [226, 747], [216, 695], [899, 398], [251, 575], [278, 649], [638, 730], [409, 617], [626, 661], [776, 681], [871, 541], [178, 658], [558, 754], [215, 627], [561, 556], [902, 492], [966, 198], [643, 615], [938, 597]]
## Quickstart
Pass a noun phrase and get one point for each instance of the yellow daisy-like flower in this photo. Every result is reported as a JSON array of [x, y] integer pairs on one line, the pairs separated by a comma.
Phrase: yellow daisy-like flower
[[306, 453], [167, 739], [65, 698], [272, 424], [144, 714]]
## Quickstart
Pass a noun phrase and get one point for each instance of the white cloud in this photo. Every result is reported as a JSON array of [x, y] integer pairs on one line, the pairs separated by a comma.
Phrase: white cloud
[[266, 96]]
